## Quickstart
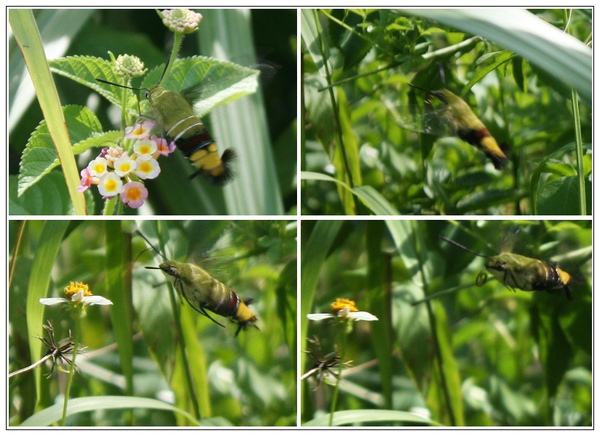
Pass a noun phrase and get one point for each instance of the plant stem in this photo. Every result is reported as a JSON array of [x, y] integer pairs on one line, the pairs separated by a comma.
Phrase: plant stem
[[30, 367], [184, 357], [76, 337], [336, 389], [171, 62]]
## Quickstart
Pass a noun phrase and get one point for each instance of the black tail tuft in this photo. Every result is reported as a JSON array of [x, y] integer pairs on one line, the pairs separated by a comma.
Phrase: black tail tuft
[[227, 157], [568, 292], [227, 174], [245, 325], [499, 162]]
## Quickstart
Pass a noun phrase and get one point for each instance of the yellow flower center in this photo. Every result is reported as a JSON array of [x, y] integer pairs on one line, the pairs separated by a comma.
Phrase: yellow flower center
[[134, 193], [145, 167], [74, 288], [111, 185], [343, 304]]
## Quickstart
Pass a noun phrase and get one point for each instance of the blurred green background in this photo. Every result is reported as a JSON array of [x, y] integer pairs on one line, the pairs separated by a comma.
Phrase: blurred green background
[[514, 68], [475, 355], [134, 346]]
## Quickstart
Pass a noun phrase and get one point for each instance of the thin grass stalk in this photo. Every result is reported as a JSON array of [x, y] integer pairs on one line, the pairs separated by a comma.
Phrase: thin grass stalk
[[76, 316], [435, 339], [324, 51], [179, 328]]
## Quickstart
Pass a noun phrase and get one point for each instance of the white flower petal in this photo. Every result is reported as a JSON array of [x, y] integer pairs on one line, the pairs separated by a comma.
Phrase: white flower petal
[[362, 316], [96, 299], [318, 316], [77, 297], [343, 313], [53, 301]]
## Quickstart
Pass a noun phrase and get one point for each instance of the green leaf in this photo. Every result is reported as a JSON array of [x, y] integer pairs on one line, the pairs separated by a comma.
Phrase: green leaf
[[501, 59], [86, 69], [53, 414], [39, 156], [314, 253], [153, 309], [367, 194], [445, 395], [551, 163], [555, 349], [379, 272], [483, 200], [352, 44], [375, 201], [208, 82], [319, 110], [118, 290], [559, 197], [286, 304], [243, 124], [312, 37], [365, 417], [48, 198], [577, 325], [39, 284], [28, 37], [558, 53], [51, 23]]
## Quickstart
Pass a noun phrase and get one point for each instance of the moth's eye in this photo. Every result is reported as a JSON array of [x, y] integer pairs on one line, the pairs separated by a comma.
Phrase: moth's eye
[[500, 266], [171, 270], [147, 94]]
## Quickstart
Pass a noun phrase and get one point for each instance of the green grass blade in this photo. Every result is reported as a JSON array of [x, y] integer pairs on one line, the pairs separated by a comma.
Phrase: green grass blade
[[314, 254], [27, 35], [53, 414], [51, 25], [558, 53], [365, 417], [49, 245], [242, 124], [118, 290]]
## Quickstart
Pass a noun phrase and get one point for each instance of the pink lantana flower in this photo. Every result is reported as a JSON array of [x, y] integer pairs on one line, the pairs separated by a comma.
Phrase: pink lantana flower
[[134, 194]]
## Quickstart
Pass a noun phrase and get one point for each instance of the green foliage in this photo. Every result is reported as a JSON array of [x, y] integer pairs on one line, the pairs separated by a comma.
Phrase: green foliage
[[358, 64], [149, 345], [216, 82], [443, 347], [39, 156]]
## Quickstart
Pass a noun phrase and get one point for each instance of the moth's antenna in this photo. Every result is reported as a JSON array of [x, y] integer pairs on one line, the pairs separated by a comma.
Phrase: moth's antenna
[[165, 70], [462, 246], [152, 246], [119, 85]]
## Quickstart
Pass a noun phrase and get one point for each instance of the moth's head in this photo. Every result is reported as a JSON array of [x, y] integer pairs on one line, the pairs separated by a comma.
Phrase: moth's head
[[169, 268]]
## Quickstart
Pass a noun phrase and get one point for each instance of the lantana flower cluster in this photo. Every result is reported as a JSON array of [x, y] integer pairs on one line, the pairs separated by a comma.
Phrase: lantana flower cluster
[[117, 172], [182, 21]]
